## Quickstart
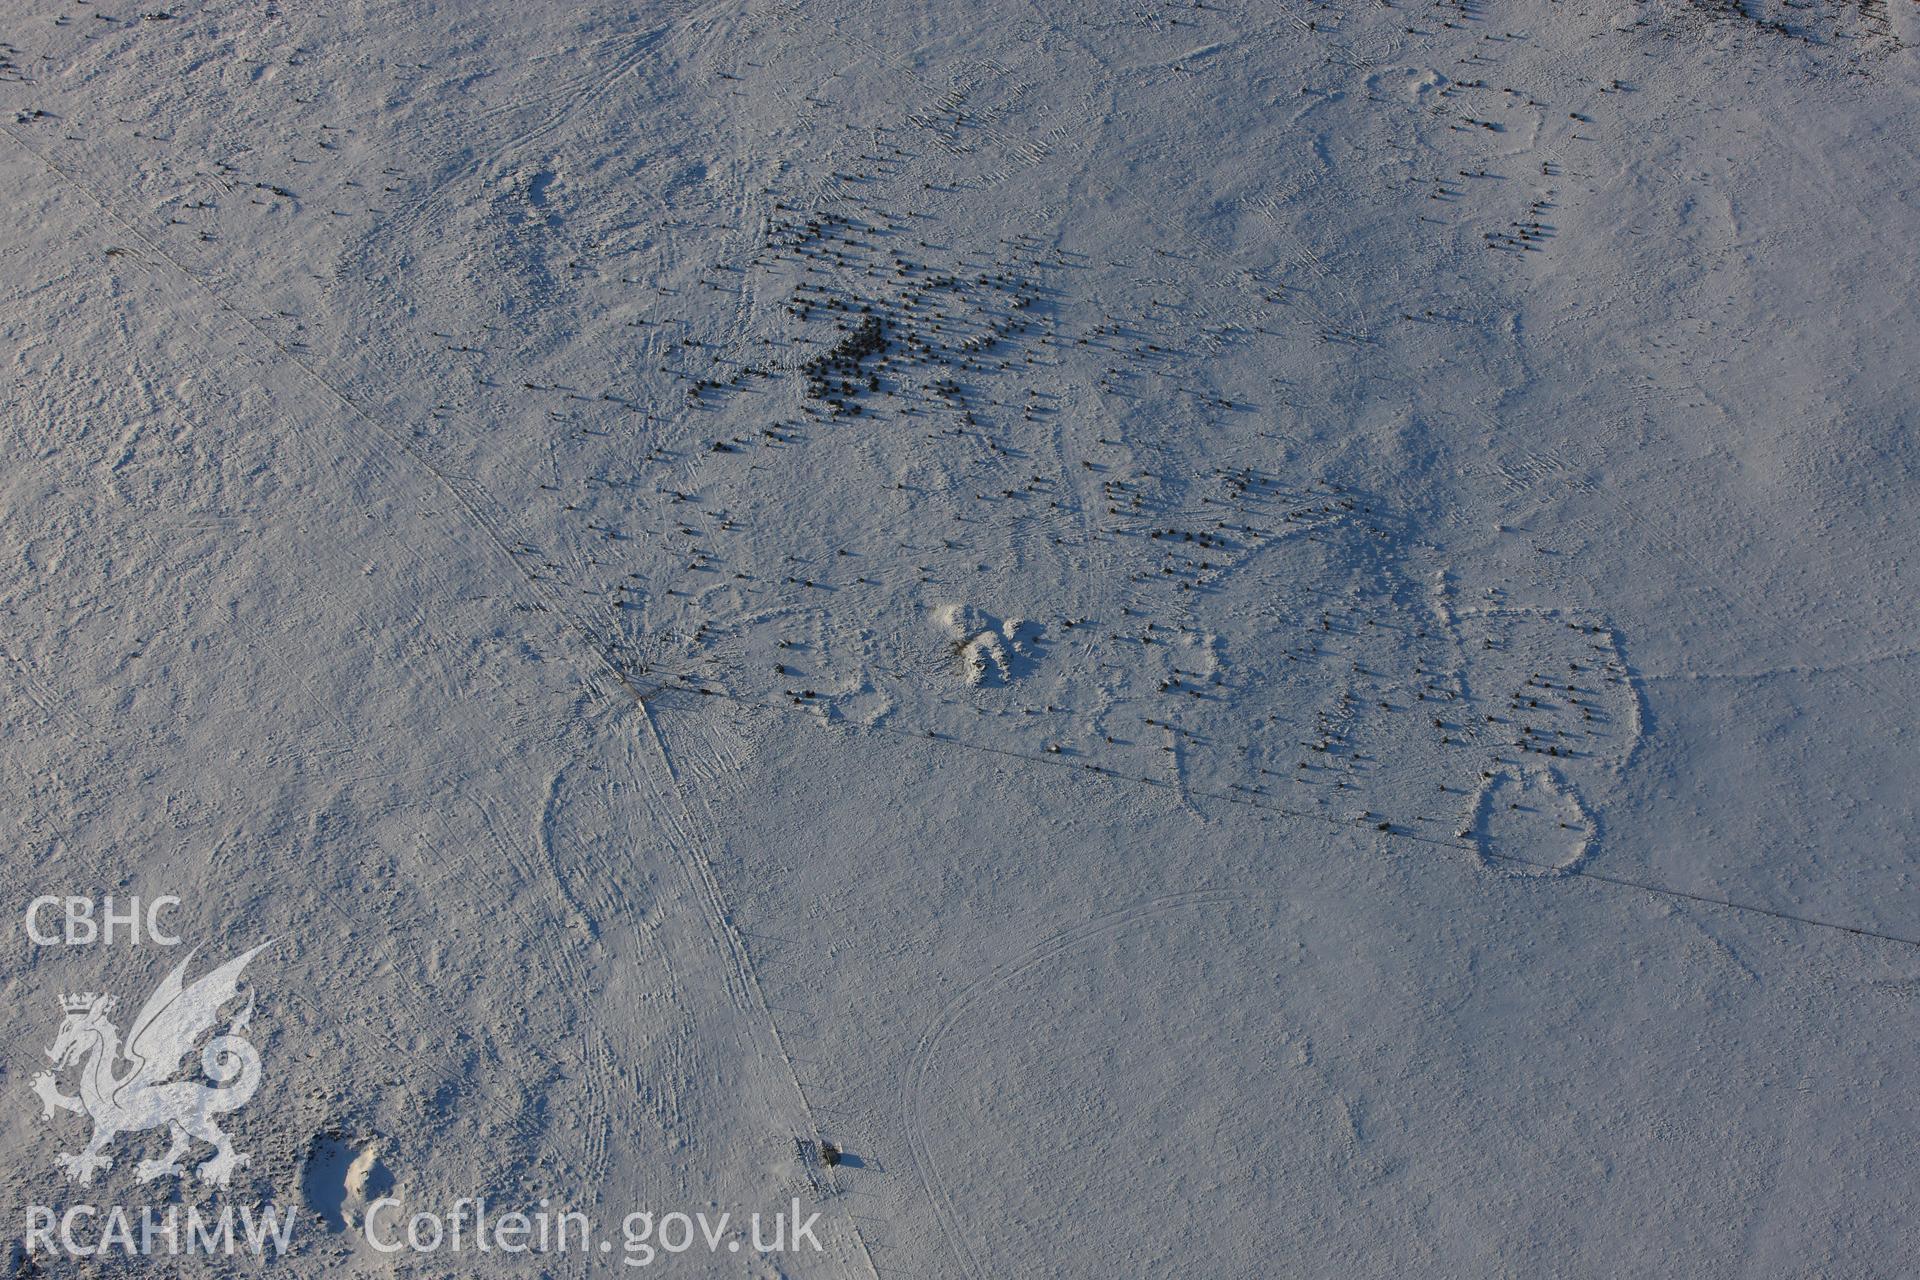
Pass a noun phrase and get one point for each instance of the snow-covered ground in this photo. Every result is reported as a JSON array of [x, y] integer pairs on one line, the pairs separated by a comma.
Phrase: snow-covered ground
[[1222, 640]]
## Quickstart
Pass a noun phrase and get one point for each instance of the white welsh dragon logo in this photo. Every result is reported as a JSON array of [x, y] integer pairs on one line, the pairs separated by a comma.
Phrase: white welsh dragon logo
[[143, 1094]]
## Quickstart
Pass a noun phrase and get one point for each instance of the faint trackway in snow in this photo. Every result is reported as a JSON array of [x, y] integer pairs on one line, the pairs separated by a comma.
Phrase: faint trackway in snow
[[1808, 669], [913, 1109], [606, 667], [738, 961], [698, 861], [1737, 599], [718, 919], [1395, 832], [589, 86], [450, 483]]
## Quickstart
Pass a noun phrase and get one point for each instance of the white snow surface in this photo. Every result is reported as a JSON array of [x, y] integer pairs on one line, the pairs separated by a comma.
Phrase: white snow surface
[[1333, 695]]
